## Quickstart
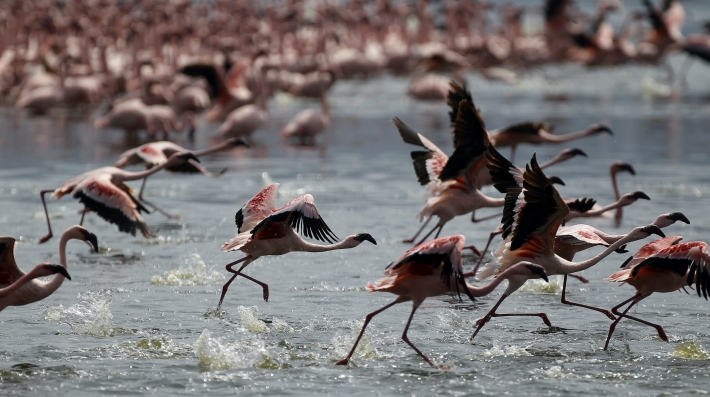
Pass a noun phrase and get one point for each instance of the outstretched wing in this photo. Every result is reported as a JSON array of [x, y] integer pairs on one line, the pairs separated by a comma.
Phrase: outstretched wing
[[209, 73], [504, 174], [540, 212], [470, 142], [427, 164], [300, 214], [580, 235], [581, 205], [9, 272], [687, 259], [257, 208], [457, 93], [650, 249], [113, 203], [442, 254], [149, 154]]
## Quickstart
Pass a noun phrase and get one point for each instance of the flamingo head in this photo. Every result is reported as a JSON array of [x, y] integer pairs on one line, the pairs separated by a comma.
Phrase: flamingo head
[[599, 128], [629, 198], [569, 153], [619, 166], [669, 219], [645, 231], [360, 237], [48, 269], [89, 237], [530, 269], [234, 142]]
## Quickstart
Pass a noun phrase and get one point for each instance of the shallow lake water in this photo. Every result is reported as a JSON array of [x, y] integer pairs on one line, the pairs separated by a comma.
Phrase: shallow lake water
[[139, 316]]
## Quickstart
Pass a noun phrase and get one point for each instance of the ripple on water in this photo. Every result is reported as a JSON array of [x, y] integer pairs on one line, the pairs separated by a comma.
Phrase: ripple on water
[[196, 273], [91, 315]]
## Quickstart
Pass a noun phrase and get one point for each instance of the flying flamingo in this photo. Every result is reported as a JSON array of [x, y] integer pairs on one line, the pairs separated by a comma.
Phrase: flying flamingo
[[103, 191], [156, 153], [432, 269], [266, 230], [308, 123], [538, 133], [666, 270], [533, 212], [18, 288]]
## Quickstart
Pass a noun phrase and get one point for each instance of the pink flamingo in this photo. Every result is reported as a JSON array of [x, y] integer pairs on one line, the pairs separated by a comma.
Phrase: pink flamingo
[[156, 153], [18, 288], [538, 133], [266, 230], [103, 191], [308, 123], [533, 212], [666, 270], [433, 269]]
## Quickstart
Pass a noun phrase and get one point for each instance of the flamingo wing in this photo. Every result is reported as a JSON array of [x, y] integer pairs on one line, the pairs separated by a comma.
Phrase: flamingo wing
[[581, 205], [580, 235], [9, 272], [470, 142], [689, 259], [257, 208], [504, 174], [150, 154], [540, 212], [457, 93], [427, 164], [301, 214], [650, 249], [113, 203], [426, 258]]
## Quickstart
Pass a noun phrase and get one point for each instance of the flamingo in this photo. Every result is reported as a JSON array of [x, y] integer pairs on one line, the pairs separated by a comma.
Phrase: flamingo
[[308, 123], [103, 191], [666, 270], [18, 288], [585, 207], [156, 153], [264, 230], [614, 169], [537, 133], [533, 212], [433, 269]]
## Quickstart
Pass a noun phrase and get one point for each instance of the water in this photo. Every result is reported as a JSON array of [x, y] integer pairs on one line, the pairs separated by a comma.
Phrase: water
[[139, 317]]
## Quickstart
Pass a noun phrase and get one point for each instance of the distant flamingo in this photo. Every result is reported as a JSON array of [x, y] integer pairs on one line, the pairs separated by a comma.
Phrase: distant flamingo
[[579, 208], [104, 192], [433, 269], [538, 133], [666, 270], [244, 120], [18, 288], [614, 169], [533, 212], [156, 153], [266, 230], [308, 123]]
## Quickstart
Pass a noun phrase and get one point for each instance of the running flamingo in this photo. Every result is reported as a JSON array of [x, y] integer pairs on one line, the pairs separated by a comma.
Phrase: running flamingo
[[18, 288], [533, 212], [266, 230], [156, 153], [666, 270], [433, 269], [103, 191]]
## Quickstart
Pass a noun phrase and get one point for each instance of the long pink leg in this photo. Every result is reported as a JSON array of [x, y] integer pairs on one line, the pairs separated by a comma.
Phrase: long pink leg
[[485, 218], [225, 287], [638, 298], [492, 313], [46, 213], [369, 317], [483, 253], [155, 207], [411, 240], [406, 339], [615, 309], [432, 231], [579, 277], [598, 309]]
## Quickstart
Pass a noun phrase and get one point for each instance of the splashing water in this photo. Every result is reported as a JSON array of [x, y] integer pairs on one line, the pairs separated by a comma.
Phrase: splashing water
[[90, 316], [691, 351], [196, 273], [251, 323], [539, 286], [505, 351], [213, 354], [343, 344]]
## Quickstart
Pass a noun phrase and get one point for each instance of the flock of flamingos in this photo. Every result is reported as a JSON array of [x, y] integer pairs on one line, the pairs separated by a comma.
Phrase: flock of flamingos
[[172, 73]]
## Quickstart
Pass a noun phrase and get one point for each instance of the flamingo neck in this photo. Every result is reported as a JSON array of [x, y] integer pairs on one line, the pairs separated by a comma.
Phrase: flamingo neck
[[133, 176], [572, 267], [488, 288], [310, 247], [492, 202], [44, 289], [552, 161], [5, 292], [216, 148], [566, 137], [619, 212]]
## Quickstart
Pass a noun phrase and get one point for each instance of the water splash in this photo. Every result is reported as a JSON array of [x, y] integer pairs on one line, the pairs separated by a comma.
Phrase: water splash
[[690, 351], [251, 323], [196, 273], [90, 316], [343, 344], [213, 354], [505, 351], [538, 286]]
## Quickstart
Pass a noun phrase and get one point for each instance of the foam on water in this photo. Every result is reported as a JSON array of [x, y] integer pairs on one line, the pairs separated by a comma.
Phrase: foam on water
[[152, 347], [90, 316], [195, 273], [213, 354], [690, 351], [505, 351], [343, 343], [539, 286], [250, 321]]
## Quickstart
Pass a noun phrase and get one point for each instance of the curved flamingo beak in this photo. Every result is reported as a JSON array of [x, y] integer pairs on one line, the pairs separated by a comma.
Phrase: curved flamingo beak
[[653, 229], [576, 152], [91, 239], [365, 237], [58, 269], [238, 142], [539, 271], [678, 216], [627, 167], [640, 195]]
